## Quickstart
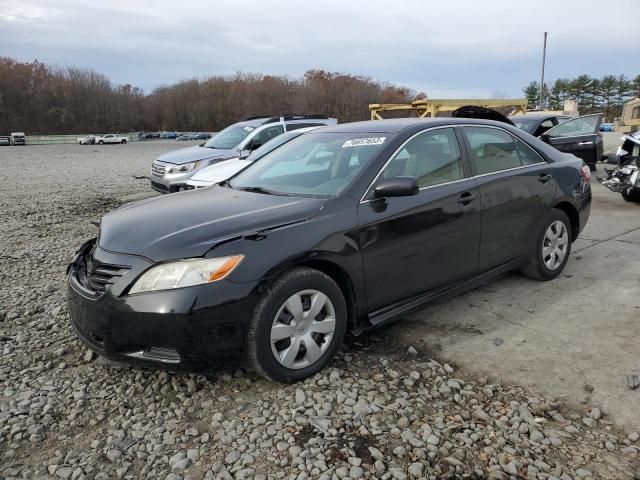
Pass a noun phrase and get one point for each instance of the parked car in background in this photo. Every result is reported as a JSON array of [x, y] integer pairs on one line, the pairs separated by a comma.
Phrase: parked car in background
[[536, 125], [579, 136], [18, 138], [5, 140], [185, 137], [148, 135], [204, 136], [87, 140], [346, 228], [169, 135], [171, 171], [110, 138], [221, 171], [606, 127]]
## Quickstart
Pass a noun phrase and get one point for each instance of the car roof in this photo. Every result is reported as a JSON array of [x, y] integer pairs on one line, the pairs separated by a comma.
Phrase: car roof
[[535, 117], [395, 125]]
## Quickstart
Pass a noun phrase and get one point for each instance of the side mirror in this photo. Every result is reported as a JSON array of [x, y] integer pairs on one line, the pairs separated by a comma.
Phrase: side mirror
[[545, 137], [397, 187]]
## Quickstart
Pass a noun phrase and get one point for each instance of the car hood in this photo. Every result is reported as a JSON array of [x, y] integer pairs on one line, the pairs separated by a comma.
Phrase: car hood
[[191, 154], [221, 171], [188, 224]]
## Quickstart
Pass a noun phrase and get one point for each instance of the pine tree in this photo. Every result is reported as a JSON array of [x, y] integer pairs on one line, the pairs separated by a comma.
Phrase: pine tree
[[532, 93]]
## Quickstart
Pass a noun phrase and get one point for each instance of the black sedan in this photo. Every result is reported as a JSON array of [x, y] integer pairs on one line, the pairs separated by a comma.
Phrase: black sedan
[[342, 229]]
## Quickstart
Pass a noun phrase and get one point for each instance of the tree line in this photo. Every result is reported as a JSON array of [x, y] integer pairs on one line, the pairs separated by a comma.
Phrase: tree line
[[606, 94], [40, 99]]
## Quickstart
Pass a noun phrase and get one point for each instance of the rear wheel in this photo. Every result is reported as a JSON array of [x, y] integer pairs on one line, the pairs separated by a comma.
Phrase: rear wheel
[[297, 326], [101, 142], [123, 142], [552, 248]]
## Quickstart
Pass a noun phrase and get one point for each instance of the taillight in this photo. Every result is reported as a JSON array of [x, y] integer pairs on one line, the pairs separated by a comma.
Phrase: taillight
[[585, 172]]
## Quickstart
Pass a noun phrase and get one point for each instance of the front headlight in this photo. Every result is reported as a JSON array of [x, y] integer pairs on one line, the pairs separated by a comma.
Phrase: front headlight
[[186, 273], [185, 167]]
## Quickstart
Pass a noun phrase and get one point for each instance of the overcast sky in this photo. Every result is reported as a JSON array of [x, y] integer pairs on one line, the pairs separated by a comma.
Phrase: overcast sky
[[448, 48]]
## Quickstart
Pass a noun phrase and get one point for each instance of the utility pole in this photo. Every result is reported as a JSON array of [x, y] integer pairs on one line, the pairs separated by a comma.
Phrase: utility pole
[[544, 54]]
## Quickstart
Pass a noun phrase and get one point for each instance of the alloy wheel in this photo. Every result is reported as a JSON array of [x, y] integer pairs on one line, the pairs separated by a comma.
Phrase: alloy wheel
[[302, 329], [554, 245]]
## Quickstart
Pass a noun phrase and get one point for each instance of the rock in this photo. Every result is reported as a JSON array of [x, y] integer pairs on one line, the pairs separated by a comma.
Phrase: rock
[[232, 457], [416, 469], [300, 397], [412, 351], [114, 455], [89, 355], [376, 454], [595, 413], [633, 436], [356, 472], [590, 422], [64, 472]]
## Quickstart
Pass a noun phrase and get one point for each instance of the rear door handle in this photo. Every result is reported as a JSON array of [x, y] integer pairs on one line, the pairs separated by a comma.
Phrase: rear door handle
[[544, 177], [466, 198]]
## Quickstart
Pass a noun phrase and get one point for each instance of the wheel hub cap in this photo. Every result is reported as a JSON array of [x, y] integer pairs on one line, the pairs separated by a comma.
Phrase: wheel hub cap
[[302, 329], [555, 245]]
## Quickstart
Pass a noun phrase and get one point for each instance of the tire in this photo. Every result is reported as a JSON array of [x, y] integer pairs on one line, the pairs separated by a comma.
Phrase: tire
[[123, 142], [101, 142], [541, 267], [632, 196], [299, 287]]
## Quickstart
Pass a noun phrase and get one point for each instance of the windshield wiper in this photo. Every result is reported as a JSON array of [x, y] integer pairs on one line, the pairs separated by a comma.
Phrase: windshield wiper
[[260, 190]]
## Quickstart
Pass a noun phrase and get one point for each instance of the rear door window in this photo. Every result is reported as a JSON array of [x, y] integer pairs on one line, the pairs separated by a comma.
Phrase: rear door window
[[491, 150]]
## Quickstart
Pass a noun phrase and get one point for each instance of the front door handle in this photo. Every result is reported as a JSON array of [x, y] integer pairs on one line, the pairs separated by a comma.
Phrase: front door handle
[[544, 177], [466, 198], [585, 143]]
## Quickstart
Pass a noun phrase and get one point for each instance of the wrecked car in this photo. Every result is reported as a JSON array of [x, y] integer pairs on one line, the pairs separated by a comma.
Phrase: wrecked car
[[625, 178], [344, 228], [579, 136]]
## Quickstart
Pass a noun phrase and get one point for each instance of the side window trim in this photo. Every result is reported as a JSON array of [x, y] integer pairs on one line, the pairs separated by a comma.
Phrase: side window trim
[[467, 174]]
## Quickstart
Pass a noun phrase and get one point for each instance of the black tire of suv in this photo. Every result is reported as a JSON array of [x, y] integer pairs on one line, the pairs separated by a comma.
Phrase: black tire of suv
[[536, 268], [123, 142], [259, 351]]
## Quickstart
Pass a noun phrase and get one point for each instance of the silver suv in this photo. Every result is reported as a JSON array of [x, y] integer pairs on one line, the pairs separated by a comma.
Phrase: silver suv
[[170, 172]]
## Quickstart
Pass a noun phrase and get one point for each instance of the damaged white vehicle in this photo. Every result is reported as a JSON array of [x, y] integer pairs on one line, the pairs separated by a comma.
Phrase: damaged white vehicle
[[219, 172], [625, 178]]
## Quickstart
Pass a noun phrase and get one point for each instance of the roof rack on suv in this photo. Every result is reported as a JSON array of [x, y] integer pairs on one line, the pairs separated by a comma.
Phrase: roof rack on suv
[[286, 117]]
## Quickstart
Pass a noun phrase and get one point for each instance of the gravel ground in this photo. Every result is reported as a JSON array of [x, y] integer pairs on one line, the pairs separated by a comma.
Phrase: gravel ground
[[378, 412]]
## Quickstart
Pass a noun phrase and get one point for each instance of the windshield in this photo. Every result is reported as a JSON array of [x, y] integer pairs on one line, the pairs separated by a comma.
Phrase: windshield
[[528, 126], [230, 137], [318, 165]]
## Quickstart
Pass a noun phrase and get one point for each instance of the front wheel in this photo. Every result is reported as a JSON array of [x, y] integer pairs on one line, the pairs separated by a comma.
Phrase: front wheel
[[123, 142], [297, 326], [553, 248]]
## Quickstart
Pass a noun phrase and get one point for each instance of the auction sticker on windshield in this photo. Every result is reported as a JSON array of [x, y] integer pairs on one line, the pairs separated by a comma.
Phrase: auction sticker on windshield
[[356, 142]]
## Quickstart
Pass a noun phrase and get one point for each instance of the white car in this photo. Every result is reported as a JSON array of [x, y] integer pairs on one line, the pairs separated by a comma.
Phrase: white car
[[111, 138], [221, 171]]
